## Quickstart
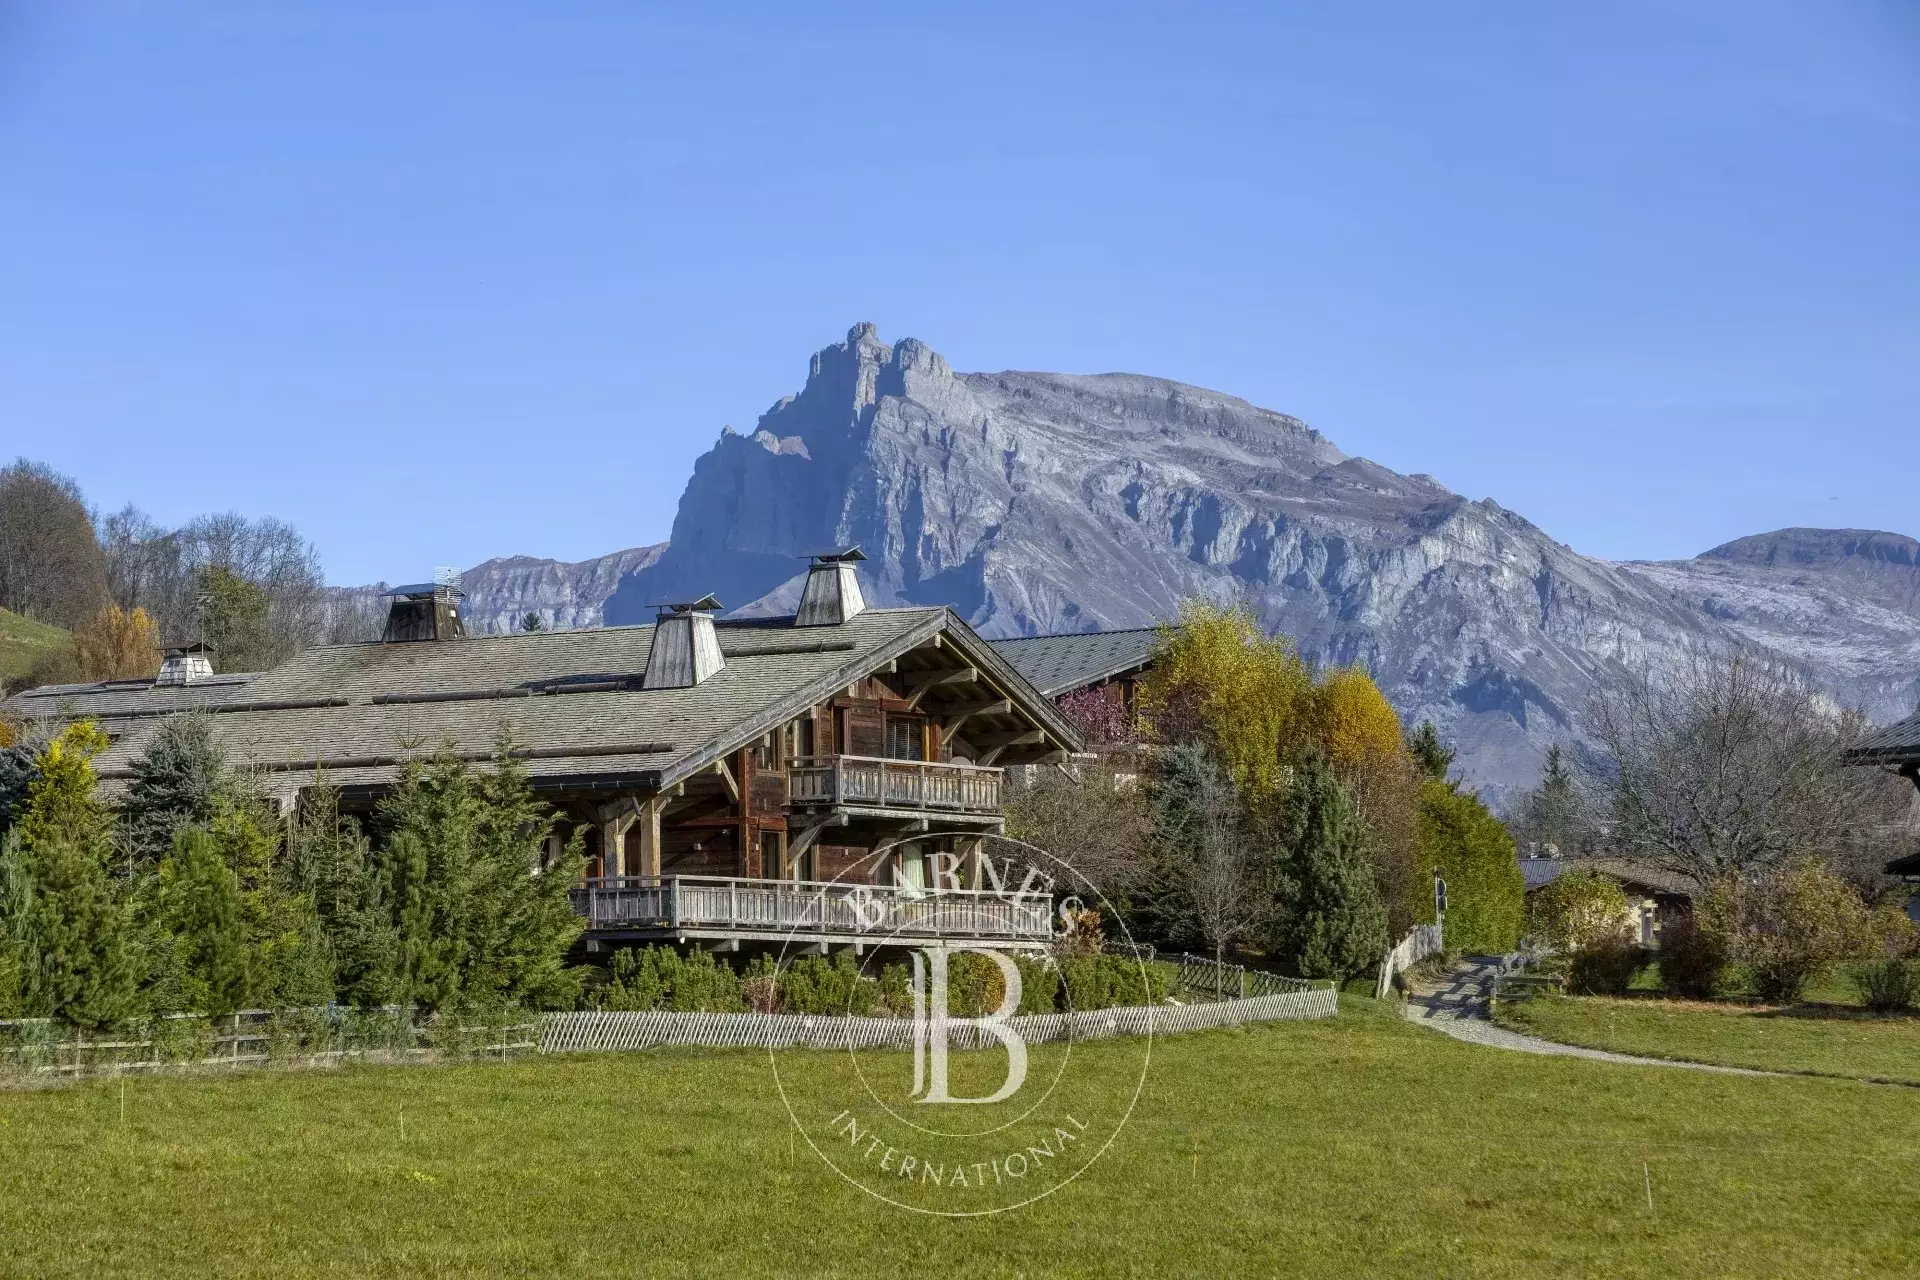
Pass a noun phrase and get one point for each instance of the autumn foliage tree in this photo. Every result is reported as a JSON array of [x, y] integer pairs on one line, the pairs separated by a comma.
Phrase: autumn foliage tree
[[117, 644]]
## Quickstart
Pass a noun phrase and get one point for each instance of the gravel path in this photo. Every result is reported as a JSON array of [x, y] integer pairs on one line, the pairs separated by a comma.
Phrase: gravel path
[[1459, 1009]]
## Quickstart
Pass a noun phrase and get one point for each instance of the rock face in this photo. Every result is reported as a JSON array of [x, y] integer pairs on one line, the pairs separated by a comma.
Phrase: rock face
[[1845, 603], [1037, 502]]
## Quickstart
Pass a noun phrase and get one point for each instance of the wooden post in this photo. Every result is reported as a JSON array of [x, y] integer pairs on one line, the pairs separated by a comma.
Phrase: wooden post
[[613, 837], [649, 819]]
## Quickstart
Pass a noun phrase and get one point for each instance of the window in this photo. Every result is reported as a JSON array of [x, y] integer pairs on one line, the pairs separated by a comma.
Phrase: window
[[773, 851], [906, 738]]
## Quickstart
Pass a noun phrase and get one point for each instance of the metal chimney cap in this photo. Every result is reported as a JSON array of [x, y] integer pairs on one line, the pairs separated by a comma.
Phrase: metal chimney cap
[[705, 604], [837, 555]]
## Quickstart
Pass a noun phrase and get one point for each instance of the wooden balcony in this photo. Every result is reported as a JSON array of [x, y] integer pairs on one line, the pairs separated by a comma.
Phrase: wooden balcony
[[900, 786], [691, 908]]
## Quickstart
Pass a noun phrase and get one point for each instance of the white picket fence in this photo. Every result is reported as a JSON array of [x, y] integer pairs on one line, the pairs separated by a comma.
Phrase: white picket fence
[[1422, 940], [596, 1030]]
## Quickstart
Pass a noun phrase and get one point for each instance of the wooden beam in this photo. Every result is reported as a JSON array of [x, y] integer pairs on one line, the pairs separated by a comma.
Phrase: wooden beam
[[1024, 738], [726, 776], [986, 707], [799, 844], [940, 675]]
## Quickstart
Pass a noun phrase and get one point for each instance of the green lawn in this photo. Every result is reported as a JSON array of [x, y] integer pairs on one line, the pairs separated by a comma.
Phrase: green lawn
[[1361, 1146], [1822, 1039], [22, 641]]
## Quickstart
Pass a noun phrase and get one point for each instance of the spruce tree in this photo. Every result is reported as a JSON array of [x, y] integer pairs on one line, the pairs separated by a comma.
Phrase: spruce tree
[[176, 783], [211, 966], [1430, 756], [333, 867], [1331, 922]]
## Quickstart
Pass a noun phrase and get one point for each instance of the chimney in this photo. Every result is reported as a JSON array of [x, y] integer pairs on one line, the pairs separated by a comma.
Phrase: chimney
[[184, 664], [685, 649], [833, 592], [424, 611]]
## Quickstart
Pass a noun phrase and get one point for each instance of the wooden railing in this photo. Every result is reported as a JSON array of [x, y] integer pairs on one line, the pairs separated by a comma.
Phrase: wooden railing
[[800, 907], [872, 782]]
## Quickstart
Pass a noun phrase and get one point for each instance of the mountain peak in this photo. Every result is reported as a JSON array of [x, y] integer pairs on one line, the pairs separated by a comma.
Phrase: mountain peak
[[1818, 547]]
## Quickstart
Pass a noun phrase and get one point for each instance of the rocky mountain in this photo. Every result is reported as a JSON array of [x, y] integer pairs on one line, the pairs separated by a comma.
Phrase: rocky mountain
[[1037, 502], [1845, 603], [503, 591]]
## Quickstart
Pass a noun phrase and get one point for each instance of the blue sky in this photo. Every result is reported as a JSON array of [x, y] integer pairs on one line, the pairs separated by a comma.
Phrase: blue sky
[[1648, 274]]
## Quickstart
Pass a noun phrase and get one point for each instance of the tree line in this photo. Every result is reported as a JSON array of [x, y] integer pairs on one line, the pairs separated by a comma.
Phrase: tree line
[[195, 895], [124, 585], [1250, 802]]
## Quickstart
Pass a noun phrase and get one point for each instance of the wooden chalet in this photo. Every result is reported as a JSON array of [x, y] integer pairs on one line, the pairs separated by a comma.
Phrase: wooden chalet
[[732, 778], [1073, 662], [1896, 748]]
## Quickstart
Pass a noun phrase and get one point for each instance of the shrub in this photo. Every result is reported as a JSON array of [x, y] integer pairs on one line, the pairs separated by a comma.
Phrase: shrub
[[1578, 909], [812, 984], [1106, 982], [1691, 960], [1486, 896], [1605, 967], [1789, 925], [1888, 986], [642, 978]]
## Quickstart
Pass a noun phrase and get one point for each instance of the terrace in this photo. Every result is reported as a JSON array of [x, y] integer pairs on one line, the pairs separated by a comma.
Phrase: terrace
[[730, 909]]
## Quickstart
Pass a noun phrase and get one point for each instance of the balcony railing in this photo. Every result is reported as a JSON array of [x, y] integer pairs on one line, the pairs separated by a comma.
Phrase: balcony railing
[[806, 909], [871, 782]]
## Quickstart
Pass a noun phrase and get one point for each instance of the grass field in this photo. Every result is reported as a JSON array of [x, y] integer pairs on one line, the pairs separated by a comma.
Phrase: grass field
[[1822, 1039], [1357, 1147], [22, 641]]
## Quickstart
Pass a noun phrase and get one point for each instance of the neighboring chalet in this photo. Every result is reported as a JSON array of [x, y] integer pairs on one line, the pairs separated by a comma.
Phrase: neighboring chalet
[[732, 779], [1655, 896], [1897, 748], [1075, 662]]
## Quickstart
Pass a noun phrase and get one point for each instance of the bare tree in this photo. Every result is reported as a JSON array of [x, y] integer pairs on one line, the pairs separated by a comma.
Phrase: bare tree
[[168, 573], [1730, 764], [1214, 880], [1092, 814], [50, 563]]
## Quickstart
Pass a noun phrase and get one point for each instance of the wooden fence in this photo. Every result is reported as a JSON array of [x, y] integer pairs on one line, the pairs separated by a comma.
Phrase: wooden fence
[[579, 1032], [1422, 940]]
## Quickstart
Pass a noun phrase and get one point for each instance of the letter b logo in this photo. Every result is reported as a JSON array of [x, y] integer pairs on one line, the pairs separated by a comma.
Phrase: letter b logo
[[931, 1024]]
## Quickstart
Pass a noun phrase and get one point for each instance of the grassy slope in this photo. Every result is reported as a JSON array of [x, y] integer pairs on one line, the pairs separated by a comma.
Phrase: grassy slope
[[1355, 1147], [1827, 1040], [22, 641]]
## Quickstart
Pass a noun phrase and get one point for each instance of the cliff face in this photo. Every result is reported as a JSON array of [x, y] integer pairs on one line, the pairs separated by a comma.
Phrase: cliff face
[[1037, 502], [1845, 603]]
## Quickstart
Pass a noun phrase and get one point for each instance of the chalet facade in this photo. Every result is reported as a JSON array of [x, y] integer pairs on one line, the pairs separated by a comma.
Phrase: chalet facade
[[734, 780], [1897, 748], [1084, 661]]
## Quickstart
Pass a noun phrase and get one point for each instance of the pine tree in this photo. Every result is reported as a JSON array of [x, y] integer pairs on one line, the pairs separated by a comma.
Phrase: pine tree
[[211, 968], [530, 622], [1552, 813], [1331, 923], [1432, 757], [176, 783]]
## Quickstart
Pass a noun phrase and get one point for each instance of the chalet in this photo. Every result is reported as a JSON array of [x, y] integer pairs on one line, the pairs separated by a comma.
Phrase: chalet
[[1897, 748], [1083, 663], [1655, 896], [732, 779]]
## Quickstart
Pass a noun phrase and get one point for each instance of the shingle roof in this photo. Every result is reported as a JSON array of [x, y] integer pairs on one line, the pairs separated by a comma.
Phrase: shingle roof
[[114, 701], [1539, 871], [1893, 744], [1062, 663], [570, 699]]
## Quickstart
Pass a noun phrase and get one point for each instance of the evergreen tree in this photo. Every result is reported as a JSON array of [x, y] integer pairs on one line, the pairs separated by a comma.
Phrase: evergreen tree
[[530, 622], [282, 936], [210, 966], [77, 934], [1331, 922], [334, 868], [1432, 757], [176, 783], [18, 954], [1552, 813], [477, 927]]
